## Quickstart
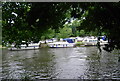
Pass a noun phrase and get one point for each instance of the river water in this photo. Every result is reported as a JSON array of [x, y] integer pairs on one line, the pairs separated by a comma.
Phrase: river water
[[60, 63]]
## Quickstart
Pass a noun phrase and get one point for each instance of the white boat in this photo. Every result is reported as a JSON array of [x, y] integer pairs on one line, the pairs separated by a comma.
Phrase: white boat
[[25, 47], [62, 44], [92, 41], [102, 42]]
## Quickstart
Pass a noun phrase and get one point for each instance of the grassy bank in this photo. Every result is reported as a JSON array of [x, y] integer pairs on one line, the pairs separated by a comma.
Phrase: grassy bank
[[2, 47]]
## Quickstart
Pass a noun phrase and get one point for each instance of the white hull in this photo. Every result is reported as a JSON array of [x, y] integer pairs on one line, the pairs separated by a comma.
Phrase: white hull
[[23, 48], [94, 44], [61, 45], [90, 44], [31, 46], [103, 43]]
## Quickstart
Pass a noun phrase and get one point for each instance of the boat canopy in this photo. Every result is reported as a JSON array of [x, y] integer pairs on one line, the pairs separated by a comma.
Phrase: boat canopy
[[68, 40], [104, 38]]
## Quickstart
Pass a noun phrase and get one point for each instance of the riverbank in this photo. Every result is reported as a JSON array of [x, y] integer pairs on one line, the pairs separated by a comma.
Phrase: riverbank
[[2, 47]]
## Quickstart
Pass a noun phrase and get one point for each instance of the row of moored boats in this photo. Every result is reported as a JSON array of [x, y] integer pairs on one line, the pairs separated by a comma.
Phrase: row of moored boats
[[62, 43]]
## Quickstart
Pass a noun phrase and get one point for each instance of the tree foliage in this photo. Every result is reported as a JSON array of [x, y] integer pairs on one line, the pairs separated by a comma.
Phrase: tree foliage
[[0, 23], [64, 32], [105, 17], [48, 34], [15, 27], [29, 21]]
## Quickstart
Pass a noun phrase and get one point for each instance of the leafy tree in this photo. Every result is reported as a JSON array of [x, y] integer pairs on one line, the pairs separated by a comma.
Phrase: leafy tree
[[0, 32], [28, 21], [65, 32], [15, 27], [82, 33], [50, 33], [105, 17], [33, 19]]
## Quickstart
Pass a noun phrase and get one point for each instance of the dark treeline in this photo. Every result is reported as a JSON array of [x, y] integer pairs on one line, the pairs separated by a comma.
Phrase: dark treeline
[[30, 21]]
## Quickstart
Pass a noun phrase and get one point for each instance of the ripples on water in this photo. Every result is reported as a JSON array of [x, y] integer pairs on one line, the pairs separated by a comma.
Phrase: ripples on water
[[60, 63]]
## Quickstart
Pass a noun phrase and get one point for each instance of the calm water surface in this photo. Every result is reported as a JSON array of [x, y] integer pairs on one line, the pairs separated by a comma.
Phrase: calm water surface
[[60, 63]]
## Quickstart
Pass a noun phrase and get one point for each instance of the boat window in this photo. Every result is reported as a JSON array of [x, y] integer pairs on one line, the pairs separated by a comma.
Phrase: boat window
[[90, 40]]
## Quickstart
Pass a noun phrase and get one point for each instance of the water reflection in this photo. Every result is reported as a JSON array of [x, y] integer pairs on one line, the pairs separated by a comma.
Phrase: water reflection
[[102, 65], [61, 63], [32, 63], [69, 64]]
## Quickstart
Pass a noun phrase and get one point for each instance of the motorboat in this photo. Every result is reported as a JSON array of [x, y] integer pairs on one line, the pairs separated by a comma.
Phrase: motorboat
[[62, 44], [30, 46], [92, 41]]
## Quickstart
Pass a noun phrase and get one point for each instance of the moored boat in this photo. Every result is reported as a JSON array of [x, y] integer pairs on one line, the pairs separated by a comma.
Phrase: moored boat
[[92, 41], [62, 44], [30, 46]]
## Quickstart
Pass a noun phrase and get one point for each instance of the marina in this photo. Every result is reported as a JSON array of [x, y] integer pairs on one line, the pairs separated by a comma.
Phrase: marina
[[63, 43], [59, 41]]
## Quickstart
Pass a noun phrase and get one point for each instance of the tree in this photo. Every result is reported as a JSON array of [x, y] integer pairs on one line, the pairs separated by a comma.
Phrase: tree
[[28, 21], [35, 18], [50, 33], [65, 32], [15, 28], [105, 17]]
